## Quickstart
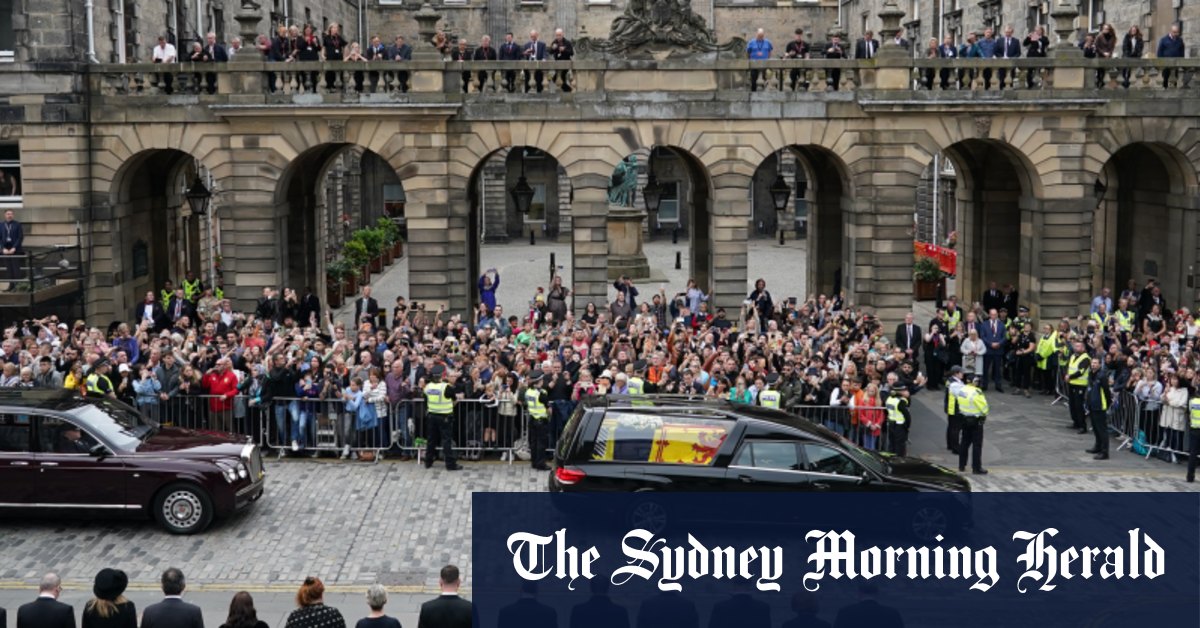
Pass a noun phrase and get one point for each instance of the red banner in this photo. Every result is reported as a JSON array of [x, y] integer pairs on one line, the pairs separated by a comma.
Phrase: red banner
[[945, 258]]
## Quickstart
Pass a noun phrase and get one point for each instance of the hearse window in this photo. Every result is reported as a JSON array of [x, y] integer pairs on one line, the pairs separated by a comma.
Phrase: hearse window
[[667, 439], [822, 459], [63, 437], [769, 455], [14, 433]]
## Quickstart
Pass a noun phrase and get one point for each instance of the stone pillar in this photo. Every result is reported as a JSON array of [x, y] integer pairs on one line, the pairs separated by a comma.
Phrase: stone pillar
[[893, 62], [626, 257], [436, 239], [253, 238], [589, 241], [1056, 256], [728, 235], [1064, 77], [880, 229], [423, 50]]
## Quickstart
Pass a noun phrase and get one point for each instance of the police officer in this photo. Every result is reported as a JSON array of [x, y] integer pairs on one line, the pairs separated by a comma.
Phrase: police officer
[[973, 407], [168, 291], [1079, 368], [953, 420], [768, 397], [1098, 400], [637, 384], [439, 409], [898, 418], [1193, 435], [192, 287], [539, 421], [98, 383]]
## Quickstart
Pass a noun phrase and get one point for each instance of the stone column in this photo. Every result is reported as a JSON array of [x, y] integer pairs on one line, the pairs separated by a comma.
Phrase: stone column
[[253, 238], [423, 50], [728, 235], [589, 241], [1064, 15]]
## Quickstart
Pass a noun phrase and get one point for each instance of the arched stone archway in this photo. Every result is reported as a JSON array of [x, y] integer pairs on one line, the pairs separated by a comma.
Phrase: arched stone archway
[[1145, 225], [322, 195], [155, 236], [995, 193]]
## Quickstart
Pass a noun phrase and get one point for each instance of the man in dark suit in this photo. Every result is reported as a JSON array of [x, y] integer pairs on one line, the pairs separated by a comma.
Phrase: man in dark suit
[[402, 53], [534, 51], [213, 53], [12, 234], [180, 307], [908, 338], [310, 306], [1010, 300], [150, 310], [562, 50], [510, 51], [172, 612], [366, 305], [993, 334], [992, 298], [448, 610], [376, 53], [867, 47], [484, 52], [1008, 47], [46, 611]]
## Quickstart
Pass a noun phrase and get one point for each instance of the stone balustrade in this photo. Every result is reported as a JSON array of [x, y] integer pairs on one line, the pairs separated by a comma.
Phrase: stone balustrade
[[441, 81]]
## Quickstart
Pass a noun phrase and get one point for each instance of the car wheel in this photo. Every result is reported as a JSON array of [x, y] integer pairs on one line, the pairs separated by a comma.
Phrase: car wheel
[[928, 522], [183, 509], [648, 514]]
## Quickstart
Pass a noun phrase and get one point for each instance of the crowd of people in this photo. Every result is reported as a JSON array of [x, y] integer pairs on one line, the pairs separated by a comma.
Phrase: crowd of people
[[110, 608]]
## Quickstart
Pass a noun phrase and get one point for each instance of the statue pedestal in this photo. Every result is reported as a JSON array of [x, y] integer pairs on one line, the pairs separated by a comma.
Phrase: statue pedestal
[[625, 254]]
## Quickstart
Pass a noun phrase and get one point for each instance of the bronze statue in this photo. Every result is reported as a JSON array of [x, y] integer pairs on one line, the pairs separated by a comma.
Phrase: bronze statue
[[658, 25]]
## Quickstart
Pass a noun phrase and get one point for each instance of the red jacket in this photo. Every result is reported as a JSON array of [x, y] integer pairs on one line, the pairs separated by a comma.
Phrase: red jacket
[[223, 387]]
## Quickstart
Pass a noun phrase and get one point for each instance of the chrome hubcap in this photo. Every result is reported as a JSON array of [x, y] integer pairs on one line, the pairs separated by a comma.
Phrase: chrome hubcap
[[183, 509]]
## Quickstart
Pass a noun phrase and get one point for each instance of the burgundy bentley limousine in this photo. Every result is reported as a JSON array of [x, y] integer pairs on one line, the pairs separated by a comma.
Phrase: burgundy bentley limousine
[[62, 453]]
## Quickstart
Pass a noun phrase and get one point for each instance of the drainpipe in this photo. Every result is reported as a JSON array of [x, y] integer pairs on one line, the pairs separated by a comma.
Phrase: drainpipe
[[120, 31], [200, 21], [91, 32]]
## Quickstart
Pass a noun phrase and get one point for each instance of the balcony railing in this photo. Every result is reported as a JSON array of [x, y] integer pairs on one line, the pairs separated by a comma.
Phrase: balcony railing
[[441, 81]]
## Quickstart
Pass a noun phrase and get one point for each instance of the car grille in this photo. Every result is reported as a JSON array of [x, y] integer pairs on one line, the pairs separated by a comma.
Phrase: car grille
[[255, 463]]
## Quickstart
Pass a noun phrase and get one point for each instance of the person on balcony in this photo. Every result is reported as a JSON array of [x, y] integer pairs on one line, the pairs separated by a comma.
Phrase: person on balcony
[[759, 49], [510, 51], [402, 53], [308, 48], [987, 50], [1035, 48], [1170, 47], [213, 53], [947, 51], [12, 235], [485, 52], [462, 55], [797, 49], [835, 51], [1106, 47], [534, 51], [1132, 47], [164, 52], [562, 50], [377, 53], [333, 44], [1007, 48]]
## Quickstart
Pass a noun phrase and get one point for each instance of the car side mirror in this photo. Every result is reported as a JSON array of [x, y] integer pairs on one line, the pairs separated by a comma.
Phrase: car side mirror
[[98, 450], [865, 478]]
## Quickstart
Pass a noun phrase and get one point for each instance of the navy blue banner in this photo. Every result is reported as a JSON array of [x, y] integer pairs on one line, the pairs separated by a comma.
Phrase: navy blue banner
[[766, 560]]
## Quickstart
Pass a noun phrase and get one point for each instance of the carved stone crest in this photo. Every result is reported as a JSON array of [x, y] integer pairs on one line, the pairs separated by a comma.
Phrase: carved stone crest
[[337, 130], [656, 29], [983, 126]]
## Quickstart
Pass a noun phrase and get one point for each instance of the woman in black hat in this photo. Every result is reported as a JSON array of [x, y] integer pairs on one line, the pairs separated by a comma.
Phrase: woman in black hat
[[110, 609]]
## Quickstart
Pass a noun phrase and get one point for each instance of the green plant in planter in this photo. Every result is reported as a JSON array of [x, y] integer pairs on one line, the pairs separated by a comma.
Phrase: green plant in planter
[[372, 239], [390, 230], [356, 253], [926, 269], [340, 270]]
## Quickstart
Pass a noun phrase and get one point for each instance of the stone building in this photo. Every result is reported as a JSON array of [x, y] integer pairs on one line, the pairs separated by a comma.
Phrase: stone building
[[1059, 188]]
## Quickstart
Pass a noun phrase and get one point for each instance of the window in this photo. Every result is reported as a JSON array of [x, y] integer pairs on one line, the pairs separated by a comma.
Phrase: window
[[630, 437], [8, 37], [14, 433], [764, 455], [62, 437], [823, 459], [10, 176], [668, 207], [1095, 15], [393, 200], [537, 209]]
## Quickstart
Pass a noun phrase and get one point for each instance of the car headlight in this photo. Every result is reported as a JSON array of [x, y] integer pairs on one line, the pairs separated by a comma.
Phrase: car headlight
[[242, 472], [229, 470]]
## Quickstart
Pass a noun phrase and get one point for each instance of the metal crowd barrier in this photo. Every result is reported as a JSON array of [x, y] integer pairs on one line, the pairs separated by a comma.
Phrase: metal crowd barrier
[[206, 412], [478, 428], [847, 421], [1061, 388], [1142, 431]]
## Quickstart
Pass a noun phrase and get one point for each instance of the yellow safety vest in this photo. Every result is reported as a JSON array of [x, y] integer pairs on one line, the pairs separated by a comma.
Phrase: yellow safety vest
[[1194, 413], [953, 318], [166, 296], [769, 399], [1102, 321], [893, 409], [636, 386], [1124, 320], [533, 403], [972, 402], [1063, 349], [93, 385], [1045, 349], [1078, 369], [951, 403], [191, 289], [435, 398], [219, 292]]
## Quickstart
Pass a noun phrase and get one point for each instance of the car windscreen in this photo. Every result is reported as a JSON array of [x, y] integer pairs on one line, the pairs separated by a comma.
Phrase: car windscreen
[[663, 439], [567, 439], [114, 422], [868, 459]]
